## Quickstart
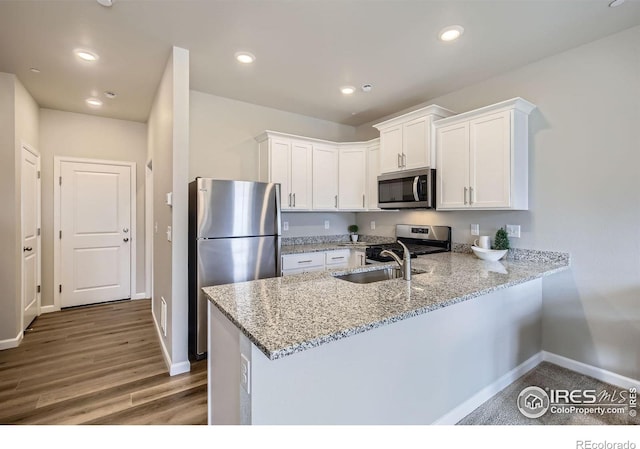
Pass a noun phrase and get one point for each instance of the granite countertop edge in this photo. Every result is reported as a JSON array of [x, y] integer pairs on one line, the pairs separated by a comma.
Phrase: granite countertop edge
[[274, 354]]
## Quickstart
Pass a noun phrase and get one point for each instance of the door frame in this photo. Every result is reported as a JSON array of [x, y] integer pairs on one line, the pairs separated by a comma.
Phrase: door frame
[[57, 226], [30, 149]]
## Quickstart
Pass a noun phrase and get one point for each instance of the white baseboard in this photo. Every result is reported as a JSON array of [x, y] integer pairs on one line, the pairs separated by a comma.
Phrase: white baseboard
[[174, 368], [49, 309], [11, 342], [488, 392], [589, 370], [140, 296]]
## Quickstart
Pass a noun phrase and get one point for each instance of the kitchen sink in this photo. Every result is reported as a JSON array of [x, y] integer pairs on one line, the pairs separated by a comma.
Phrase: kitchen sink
[[368, 277]]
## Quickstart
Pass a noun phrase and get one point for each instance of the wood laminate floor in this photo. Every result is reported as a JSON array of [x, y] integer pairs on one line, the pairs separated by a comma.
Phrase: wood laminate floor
[[97, 365]]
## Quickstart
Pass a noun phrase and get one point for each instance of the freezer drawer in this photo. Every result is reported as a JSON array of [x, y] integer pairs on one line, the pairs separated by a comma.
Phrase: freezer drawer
[[226, 261]]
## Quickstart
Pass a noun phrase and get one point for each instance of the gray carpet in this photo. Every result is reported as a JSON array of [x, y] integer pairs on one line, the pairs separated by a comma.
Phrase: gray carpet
[[502, 409]]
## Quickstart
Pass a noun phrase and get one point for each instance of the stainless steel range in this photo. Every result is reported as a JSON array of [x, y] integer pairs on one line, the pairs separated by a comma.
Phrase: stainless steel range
[[419, 239]]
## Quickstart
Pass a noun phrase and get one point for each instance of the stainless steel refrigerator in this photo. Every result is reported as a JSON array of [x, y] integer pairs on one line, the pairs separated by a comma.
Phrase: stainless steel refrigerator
[[234, 236]]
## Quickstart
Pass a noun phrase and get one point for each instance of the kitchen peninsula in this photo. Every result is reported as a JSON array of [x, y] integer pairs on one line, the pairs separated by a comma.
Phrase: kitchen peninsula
[[315, 349]]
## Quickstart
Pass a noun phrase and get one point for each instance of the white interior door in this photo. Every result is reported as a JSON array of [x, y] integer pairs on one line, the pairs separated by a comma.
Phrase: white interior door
[[30, 236], [95, 241]]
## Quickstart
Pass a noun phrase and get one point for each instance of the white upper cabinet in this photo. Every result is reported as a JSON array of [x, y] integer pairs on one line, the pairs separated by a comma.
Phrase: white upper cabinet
[[288, 162], [406, 142], [483, 158], [325, 177], [352, 181], [318, 174], [373, 170]]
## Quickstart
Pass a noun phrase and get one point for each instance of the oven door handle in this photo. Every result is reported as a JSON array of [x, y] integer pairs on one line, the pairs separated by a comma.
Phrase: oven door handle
[[416, 196]]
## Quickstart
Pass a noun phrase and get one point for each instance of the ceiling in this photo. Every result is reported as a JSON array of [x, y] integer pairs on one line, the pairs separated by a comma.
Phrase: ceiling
[[305, 49]]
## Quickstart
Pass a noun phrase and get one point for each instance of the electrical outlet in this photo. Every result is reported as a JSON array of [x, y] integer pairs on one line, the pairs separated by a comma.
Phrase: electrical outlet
[[513, 231], [326, 224], [245, 373], [373, 225], [168, 233], [475, 229], [285, 225]]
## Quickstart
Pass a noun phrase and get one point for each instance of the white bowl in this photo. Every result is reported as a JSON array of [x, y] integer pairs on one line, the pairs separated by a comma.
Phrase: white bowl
[[489, 254]]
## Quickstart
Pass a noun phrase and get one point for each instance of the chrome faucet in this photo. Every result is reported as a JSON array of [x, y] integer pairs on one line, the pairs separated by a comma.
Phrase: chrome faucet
[[405, 263]]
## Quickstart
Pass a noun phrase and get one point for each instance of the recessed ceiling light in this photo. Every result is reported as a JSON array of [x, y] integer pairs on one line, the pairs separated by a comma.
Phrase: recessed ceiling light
[[110, 95], [34, 70], [86, 55], [347, 90], [451, 33], [615, 3], [245, 57], [106, 3], [94, 102]]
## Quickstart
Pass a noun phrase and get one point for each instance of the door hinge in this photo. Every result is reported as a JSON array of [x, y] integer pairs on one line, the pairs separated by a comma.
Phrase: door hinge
[[38, 231], [60, 288], [60, 234], [60, 180], [38, 174], [38, 291]]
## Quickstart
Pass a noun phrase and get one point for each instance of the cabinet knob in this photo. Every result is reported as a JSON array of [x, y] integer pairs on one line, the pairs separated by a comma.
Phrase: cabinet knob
[[27, 248]]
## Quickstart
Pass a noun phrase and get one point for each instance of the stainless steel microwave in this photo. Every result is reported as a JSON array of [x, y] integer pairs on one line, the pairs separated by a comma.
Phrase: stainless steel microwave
[[407, 189]]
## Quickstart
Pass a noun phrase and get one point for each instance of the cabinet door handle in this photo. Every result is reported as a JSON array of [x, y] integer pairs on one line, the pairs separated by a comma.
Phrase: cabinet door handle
[[363, 201], [294, 200], [470, 196], [465, 196], [336, 198], [337, 258], [289, 200], [404, 160], [399, 160], [305, 261]]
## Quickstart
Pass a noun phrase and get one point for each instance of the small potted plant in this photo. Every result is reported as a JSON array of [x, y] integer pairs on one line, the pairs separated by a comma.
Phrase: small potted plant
[[353, 230], [501, 241]]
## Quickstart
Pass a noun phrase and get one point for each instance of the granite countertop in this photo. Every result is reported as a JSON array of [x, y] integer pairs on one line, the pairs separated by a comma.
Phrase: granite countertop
[[317, 247], [285, 315]]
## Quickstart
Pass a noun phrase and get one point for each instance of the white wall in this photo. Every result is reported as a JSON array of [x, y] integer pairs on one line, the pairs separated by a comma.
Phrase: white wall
[[18, 124], [168, 149], [223, 146], [583, 194], [91, 137], [9, 300]]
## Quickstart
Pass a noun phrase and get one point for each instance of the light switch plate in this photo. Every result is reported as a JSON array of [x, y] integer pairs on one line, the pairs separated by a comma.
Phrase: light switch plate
[[513, 231], [168, 233], [475, 229], [170, 199]]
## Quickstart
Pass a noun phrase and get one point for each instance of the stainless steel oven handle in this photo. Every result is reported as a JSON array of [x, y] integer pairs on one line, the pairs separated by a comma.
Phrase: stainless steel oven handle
[[415, 188]]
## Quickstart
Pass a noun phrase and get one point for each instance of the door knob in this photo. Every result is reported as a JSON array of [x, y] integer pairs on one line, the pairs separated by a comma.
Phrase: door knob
[[125, 230], [27, 248], [126, 239]]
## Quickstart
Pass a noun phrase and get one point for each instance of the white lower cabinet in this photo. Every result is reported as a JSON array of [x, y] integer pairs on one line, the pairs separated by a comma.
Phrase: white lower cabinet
[[322, 260], [302, 263], [338, 259]]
